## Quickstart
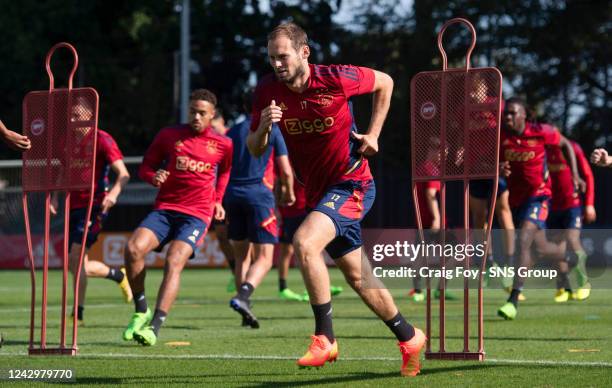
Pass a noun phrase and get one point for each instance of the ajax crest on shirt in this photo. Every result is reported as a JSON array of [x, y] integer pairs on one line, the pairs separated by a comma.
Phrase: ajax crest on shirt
[[211, 146]]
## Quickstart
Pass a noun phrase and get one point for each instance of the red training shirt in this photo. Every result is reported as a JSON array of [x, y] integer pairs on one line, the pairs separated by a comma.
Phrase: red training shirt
[[199, 166], [526, 154], [316, 125]]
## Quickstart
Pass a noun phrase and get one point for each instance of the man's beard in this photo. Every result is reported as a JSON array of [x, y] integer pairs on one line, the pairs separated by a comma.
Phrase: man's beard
[[514, 127], [298, 73]]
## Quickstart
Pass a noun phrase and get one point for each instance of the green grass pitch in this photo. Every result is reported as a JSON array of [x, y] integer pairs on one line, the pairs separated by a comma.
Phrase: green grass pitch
[[548, 345]]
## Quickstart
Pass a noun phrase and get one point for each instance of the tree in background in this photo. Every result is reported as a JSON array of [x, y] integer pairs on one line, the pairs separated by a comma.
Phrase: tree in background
[[555, 53]]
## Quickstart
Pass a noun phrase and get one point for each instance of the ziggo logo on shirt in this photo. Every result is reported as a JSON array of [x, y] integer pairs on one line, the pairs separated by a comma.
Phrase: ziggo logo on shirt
[[297, 126], [518, 156], [183, 163]]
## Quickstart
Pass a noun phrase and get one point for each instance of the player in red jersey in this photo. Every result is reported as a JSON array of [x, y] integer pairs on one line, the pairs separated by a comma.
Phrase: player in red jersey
[[310, 104], [13, 139], [191, 165], [429, 209], [523, 147], [566, 217], [108, 157], [600, 157]]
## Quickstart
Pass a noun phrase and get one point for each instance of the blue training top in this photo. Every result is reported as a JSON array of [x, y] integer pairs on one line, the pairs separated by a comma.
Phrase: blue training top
[[247, 169]]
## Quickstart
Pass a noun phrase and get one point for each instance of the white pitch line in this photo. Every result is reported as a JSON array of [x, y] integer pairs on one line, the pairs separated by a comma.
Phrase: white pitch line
[[292, 358]]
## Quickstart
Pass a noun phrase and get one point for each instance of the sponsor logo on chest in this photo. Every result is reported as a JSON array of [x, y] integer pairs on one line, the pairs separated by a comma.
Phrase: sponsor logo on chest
[[297, 126], [518, 156], [185, 163]]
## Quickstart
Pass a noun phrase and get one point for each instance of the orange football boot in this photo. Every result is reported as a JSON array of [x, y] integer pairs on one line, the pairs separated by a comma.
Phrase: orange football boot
[[319, 352], [411, 352]]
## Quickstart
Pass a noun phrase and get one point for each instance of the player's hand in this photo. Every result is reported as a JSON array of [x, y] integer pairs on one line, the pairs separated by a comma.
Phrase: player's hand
[[160, 177], [16, 141], [580, 184], [504, 169], [108, 202], [269, 115], [219, 212], [435, 225], [287, 197], [369, 143], [53, 206], [589, 214], [599, 157]]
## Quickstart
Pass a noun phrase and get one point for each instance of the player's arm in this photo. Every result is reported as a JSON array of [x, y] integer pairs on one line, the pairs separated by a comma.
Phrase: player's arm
[[13, 139], [587, 174], [149, 170], [258, 140], [285, 176], [432, 206], [600, 158], [54, 205], [285, 173], [570, 156], [223, 175], [123, 177], [383, 88]]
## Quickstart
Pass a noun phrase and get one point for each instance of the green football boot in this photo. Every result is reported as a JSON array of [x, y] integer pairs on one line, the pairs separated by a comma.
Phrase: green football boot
[[138, 321], [145, 336], [287, 294], [447, 295], [507, 311], [231, 285], [335, 290]]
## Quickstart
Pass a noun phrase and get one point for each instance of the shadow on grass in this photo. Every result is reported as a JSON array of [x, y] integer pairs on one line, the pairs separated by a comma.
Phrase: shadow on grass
[[324, 380], [98, 380], [13, 342], [371, 376], [456, 368], [310, 317]]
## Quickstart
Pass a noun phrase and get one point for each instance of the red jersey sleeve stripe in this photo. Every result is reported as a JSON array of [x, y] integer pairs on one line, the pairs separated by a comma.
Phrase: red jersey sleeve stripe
[[338, 72]]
